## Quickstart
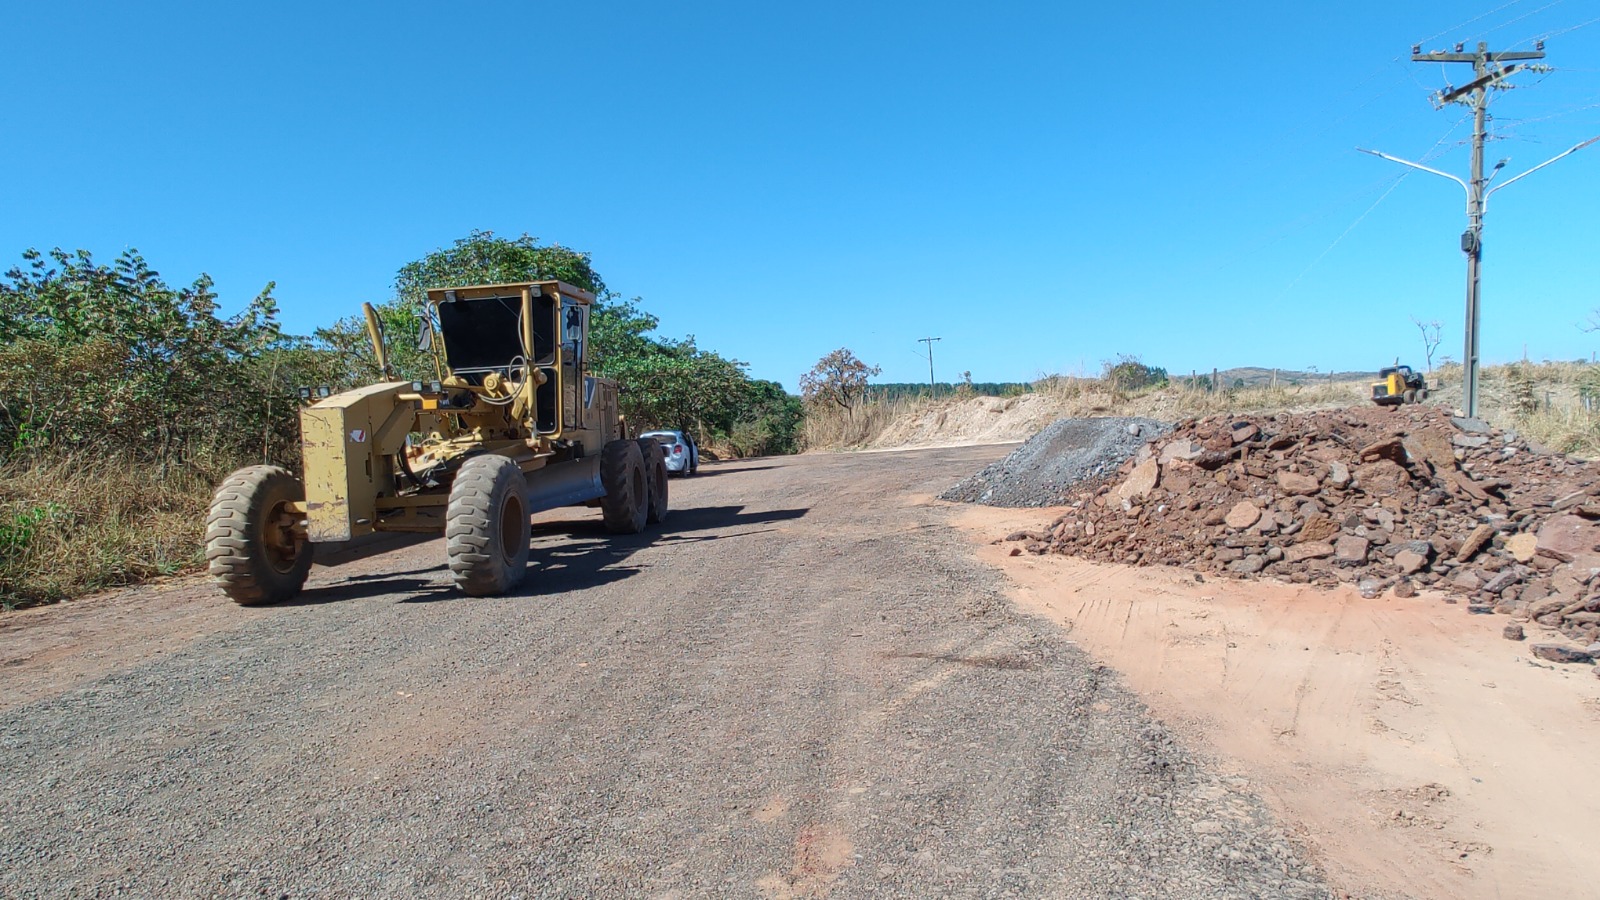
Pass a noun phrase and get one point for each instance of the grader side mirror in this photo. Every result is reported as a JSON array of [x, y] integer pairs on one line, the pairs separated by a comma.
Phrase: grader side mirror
[[425, 333]]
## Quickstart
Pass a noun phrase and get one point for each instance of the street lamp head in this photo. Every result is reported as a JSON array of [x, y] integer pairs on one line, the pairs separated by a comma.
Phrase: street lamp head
[[1502, 164]]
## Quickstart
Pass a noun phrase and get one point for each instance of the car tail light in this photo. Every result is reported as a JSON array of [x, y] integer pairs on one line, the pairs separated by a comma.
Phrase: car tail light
[[677, 450]]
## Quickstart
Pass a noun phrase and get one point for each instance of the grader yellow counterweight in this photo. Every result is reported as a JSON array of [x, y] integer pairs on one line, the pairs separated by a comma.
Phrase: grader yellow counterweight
[[515, 425]]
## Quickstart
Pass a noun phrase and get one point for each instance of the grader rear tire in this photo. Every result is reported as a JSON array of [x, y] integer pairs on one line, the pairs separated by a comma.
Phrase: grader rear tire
[[252, 549], [655, 467], [626, 505], [487, 529]]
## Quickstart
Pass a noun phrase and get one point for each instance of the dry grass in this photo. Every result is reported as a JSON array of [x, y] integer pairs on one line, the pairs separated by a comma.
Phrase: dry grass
[[1067, 397], [1092, 397], [1565, 431], [77, 525], [832, 428], [1544, 401]]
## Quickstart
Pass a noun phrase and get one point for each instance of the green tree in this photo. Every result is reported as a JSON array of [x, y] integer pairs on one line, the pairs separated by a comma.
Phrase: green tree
[[769, 422], [111, 357], [664, 383], [675, 384], [478, 258], [838, 379], [1128, 373]]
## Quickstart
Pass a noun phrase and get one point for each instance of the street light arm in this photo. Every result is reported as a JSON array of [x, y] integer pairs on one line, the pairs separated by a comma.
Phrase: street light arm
[[1510, 182], [1407, 162]]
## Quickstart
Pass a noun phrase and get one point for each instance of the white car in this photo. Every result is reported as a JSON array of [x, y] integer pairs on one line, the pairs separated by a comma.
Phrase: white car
[[683, 457]]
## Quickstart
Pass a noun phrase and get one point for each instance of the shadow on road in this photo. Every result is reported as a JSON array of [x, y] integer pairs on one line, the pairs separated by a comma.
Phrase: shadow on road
[[581, 554], [567, 555], [706, 472]]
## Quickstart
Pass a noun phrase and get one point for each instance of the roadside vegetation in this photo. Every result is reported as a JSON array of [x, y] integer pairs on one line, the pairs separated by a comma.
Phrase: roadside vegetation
[[125, 399]]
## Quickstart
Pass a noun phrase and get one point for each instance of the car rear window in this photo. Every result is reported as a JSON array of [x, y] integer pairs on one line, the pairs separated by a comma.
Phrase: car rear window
[[666, 439]]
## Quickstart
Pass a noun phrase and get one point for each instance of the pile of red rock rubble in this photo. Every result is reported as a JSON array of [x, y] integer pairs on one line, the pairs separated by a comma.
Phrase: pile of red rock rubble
[[1387, 499]]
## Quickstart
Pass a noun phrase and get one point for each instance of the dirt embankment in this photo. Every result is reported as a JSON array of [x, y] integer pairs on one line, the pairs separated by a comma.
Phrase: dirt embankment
[[979, 420]]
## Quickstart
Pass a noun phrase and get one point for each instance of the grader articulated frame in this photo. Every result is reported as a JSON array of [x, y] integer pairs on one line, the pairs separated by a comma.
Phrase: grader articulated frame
[[514, 425]]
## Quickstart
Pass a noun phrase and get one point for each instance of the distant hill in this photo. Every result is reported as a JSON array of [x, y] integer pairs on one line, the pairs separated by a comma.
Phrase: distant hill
[[1253, 376], [1249, 376]]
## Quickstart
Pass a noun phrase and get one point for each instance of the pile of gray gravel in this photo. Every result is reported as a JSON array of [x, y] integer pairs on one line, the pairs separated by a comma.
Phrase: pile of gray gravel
[[1066, 453]]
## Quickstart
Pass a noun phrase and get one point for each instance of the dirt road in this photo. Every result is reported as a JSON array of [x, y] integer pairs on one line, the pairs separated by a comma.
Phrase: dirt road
[[805, 686]]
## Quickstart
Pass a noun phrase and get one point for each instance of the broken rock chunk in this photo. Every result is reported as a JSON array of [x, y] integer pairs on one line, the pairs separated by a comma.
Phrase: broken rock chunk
[[1243, 515], [1298, 483], [1562, 653], [1474, 542], [1351, 550]]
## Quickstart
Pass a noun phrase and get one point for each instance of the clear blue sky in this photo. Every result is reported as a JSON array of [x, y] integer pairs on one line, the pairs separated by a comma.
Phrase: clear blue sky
[[1042, 185]]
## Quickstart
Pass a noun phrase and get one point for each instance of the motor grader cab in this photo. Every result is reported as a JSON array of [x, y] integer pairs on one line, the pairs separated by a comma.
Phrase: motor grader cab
[[1398, 384], [513, 424]]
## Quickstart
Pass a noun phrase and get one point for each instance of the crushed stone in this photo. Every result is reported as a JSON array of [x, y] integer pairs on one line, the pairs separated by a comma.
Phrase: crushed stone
[[1046, 469]]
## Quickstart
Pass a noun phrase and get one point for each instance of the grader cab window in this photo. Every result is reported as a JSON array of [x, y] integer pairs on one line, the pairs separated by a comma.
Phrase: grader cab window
[[485, 335]]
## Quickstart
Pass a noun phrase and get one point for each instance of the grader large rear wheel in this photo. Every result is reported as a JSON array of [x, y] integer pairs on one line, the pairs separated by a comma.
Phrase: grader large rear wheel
[[655, 468], [487, 529], [253, 548], [626, 505]]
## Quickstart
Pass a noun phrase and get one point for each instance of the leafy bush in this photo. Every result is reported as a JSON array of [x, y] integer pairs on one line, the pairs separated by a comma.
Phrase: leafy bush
[[111, 357], [1129, 374]]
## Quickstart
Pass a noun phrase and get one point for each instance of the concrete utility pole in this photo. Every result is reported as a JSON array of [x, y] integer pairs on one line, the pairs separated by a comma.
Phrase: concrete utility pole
[[929, 341], [1488, 73]]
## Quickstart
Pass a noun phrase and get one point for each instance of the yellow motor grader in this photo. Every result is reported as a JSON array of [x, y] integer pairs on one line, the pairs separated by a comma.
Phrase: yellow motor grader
[[514, 425]]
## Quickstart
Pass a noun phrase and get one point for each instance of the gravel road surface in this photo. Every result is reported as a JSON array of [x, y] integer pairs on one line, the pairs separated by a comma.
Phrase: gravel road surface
[[804, 685]]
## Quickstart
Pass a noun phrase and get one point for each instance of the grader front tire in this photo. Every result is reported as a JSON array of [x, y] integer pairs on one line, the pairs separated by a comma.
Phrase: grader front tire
[[253, 549], [626, 505], [487, 529]]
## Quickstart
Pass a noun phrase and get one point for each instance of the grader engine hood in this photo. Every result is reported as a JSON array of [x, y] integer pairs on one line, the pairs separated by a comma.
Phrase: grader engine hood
[[345, 439]]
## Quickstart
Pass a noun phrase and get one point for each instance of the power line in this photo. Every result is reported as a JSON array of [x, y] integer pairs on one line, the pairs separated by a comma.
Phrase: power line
[[1567, 30], [1433, 37], [1528, 15], [1490, 70], [1395, 183]]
